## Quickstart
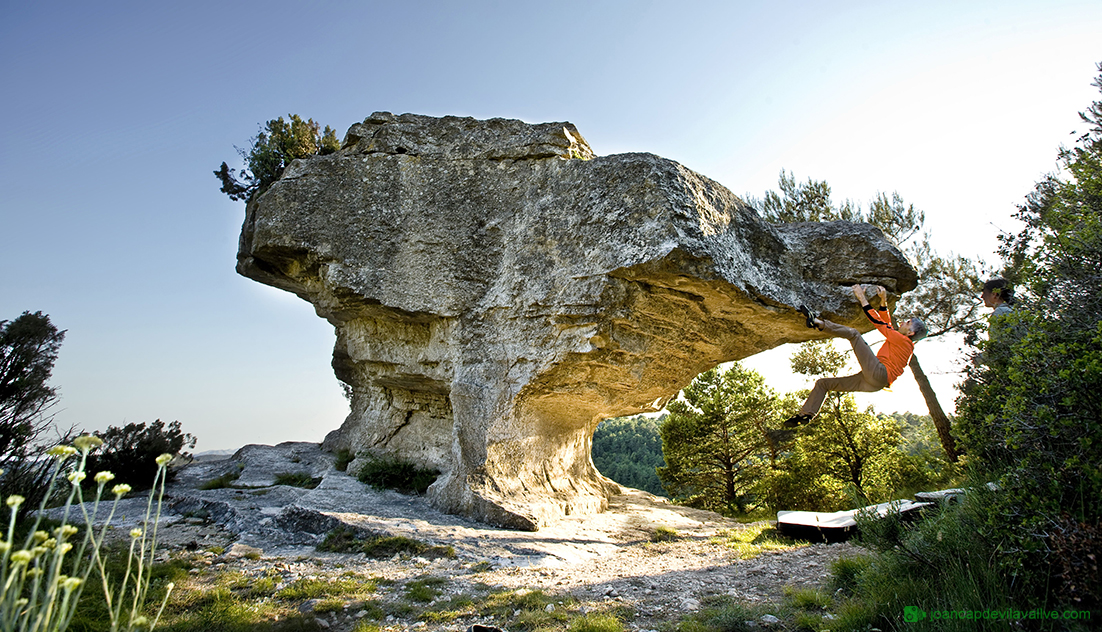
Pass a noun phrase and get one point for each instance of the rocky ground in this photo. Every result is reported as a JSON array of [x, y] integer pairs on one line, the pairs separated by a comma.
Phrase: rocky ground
[[617, 558]]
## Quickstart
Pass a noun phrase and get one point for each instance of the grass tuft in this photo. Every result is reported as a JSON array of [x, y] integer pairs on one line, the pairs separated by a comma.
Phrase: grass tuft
[[806, 598], [424, 590], [662, 533], [222, 482], [845, 571], [753, 540], [297, 479], [596, 622]]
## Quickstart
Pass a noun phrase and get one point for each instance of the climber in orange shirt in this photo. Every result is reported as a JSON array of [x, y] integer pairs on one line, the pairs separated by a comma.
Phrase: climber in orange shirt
[[878, 370]]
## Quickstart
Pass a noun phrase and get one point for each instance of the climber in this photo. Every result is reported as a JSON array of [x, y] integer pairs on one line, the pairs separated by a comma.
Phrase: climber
[[878, 370]]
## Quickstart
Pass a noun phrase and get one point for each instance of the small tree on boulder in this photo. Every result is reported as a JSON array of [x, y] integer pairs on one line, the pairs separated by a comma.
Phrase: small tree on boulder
[[278, 143]]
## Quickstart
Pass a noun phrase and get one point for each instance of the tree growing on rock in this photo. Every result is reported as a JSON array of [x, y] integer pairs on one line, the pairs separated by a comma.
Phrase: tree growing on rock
[[946, 296], [714, 439], [275, 146]]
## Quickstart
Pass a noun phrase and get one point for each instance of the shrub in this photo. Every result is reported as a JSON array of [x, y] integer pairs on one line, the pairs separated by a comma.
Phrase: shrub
[[393, 473], [131, 452], [344, 457], [944, 562], [348, 540], [662, 533]]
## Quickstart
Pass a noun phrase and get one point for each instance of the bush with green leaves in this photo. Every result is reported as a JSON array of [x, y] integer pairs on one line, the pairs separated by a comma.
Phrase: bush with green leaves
[[390, 472], [131, 452], [945, 561]]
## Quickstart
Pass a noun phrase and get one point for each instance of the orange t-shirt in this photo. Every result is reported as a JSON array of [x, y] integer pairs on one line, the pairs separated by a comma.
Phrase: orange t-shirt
[[897, 349]]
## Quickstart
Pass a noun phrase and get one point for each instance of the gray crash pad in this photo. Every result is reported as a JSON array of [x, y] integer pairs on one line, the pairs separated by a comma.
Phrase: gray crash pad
[[838, 526]]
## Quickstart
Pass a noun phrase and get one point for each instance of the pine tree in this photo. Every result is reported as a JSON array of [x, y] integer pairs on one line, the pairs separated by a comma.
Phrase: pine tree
[[714, 439]]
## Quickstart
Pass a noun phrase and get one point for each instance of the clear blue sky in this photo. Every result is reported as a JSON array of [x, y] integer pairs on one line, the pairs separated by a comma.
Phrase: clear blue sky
[[115, 114]]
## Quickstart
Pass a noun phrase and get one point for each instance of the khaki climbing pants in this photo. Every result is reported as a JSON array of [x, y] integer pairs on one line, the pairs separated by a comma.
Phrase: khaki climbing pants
[[873, 375]]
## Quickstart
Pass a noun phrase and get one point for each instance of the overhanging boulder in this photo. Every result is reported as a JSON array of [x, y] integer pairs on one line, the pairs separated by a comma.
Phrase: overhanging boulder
[[497, 290]]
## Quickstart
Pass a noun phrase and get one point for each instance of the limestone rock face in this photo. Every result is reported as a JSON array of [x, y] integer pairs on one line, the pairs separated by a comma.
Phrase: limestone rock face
[[497, 290]]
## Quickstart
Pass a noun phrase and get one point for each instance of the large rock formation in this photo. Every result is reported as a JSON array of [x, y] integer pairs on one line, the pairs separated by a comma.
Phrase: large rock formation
[[497, 291]]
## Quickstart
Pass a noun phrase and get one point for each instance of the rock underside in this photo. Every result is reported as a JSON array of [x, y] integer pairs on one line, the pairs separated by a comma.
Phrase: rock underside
[[497, 291]]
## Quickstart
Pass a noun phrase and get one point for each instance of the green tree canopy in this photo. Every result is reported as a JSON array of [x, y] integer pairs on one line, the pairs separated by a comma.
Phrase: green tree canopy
[[629, 450], [275, 146], [845, 452], [28, 349], [714, 439]]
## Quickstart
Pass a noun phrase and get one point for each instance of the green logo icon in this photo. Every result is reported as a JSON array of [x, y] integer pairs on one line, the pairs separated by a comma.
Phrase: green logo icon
[[912, 614]]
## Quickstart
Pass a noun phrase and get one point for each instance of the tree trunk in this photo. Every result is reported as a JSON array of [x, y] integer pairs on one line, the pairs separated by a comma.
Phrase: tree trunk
[[941, 420]]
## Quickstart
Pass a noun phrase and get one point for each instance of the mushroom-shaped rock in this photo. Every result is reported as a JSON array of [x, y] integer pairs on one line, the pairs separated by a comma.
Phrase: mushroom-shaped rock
[[497, 290]]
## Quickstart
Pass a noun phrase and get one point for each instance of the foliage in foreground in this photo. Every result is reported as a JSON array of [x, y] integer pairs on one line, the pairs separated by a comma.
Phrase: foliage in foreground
[[44, 577], [1031, 414]]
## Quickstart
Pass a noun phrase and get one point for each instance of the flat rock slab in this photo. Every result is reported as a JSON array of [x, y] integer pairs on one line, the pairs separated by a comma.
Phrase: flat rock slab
[[280, 520]]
